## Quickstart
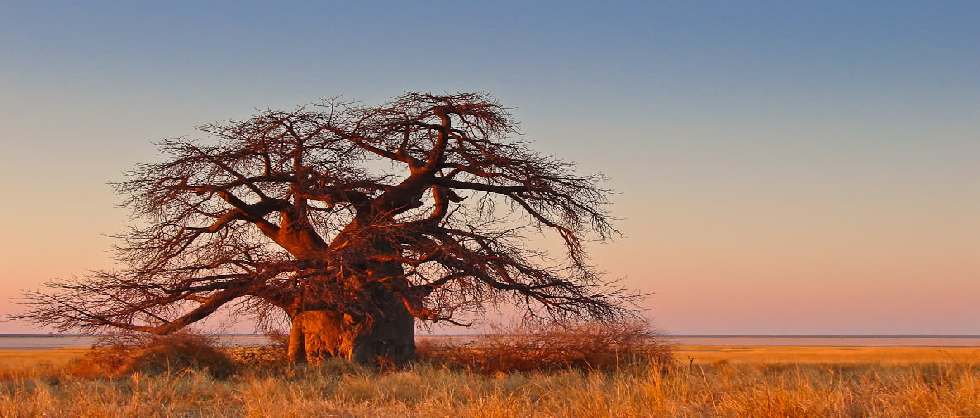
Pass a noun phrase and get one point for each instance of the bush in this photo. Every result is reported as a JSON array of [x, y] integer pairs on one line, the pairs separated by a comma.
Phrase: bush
[[121, 355], [262, 357], [589, 346]]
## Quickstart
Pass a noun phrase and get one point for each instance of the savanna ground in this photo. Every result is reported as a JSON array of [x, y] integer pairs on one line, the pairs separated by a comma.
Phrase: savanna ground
[[758, 381]]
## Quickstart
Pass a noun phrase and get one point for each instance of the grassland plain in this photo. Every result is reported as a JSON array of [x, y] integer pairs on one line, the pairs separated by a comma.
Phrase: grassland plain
[[704, 381]]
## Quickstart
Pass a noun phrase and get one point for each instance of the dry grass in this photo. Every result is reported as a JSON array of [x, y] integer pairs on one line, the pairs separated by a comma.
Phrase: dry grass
[[527, 348], [926, 385], [425, 390], [124, 355], [14, 358]]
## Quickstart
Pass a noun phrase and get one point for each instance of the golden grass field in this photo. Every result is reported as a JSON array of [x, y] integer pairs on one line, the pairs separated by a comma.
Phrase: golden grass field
[[757, 381]]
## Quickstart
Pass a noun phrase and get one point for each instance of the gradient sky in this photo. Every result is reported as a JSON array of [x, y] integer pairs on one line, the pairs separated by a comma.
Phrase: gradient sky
[[781, 168]]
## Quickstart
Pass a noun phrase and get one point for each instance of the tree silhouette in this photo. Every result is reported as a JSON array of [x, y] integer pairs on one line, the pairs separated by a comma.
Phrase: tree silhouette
[[352, 221]]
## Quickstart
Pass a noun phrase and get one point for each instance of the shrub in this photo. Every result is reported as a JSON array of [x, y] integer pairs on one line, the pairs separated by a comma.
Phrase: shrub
[[262, 357], [588, 346], [125, 354]]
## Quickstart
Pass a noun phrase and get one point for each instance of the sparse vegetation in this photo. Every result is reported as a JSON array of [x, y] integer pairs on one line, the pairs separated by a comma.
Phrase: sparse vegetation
[[528, 348], [552, 373], [341, 389], [125, 354]]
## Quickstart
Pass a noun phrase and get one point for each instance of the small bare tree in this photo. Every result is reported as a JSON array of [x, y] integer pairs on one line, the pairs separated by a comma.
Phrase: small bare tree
[[351, 221]]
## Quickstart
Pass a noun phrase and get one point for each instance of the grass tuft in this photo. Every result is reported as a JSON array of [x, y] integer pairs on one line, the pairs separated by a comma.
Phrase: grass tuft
[[123, 355]]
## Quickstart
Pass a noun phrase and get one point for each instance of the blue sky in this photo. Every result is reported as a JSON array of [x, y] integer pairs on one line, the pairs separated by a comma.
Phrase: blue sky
[[782, 167]]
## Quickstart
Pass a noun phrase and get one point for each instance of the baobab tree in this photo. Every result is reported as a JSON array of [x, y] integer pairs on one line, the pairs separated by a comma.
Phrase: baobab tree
[[352, 221]]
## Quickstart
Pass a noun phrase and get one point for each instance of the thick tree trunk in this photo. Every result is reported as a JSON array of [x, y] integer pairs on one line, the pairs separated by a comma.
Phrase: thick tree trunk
[[385, 336]]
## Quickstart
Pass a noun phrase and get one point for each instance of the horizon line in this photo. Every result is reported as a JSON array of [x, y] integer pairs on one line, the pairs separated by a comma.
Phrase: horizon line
[[50, 334]]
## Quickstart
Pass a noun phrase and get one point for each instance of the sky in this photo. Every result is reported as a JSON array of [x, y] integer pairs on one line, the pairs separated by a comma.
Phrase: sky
[[780, 167]]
